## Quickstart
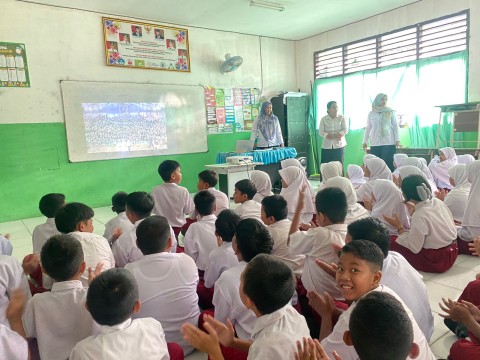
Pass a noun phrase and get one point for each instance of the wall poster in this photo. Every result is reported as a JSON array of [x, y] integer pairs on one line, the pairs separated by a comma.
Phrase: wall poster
[[13, 65]]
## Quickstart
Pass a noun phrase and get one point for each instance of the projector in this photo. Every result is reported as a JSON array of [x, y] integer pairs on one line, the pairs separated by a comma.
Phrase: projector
[[239, 160]]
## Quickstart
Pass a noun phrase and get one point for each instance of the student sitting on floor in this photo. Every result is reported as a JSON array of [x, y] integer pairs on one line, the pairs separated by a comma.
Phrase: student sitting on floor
[[266, 288], [119, 224], [440, 164], [49, 206], [207, 180], [355, 175], [112, 299], [243, 195], [375, 168], [457, 198], [294, 180], [262, 183]]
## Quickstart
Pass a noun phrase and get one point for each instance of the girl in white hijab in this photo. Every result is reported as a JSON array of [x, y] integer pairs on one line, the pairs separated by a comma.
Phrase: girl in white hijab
[[263, 184], [471, 218], [355, 210], [387, 200], [456, 200], [409, 168], [397, 160], [355, 175], [465, 159], [291, 162], [375, 169], [440, 164], [294, 180], [330, 170]]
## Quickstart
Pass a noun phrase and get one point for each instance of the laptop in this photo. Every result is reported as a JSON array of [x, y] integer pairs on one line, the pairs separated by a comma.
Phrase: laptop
[[244, 146]]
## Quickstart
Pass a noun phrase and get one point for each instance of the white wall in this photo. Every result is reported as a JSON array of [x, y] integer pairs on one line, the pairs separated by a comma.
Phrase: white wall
[[408, 15], [65, 44]]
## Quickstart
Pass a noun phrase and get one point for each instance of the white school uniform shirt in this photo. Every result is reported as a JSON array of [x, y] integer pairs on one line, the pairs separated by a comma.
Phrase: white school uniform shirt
[[457, 199], [401, 277], [42, 233], [275, 335], [120, 221], [439, 168], [221, 200], [131, 339], [220, 259], [95, 250], [173, 202], [431, 227], [249, 209], [335, 340], [6, 247], [318, 243], [228, 305], [280, 231], [470, 222], [59, 319], [167, 285], [12, 345], [336, 125], [200, 240], [11, 278], [373, 130]]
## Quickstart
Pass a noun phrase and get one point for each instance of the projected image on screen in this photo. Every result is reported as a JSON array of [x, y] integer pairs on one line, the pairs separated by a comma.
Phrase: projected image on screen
[[114, 127]]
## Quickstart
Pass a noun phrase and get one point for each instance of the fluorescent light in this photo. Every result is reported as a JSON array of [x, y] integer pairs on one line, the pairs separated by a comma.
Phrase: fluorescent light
[[267, 5]]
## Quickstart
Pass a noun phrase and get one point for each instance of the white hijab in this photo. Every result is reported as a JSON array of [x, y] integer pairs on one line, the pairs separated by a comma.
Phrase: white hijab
[[368, 156], [355, 175], [408, 170], [378, 170], [330, 170], [355, 210], [296, 180], [389, 200], [457, 199], [417, 162], [263, 184], [291, 162], [465, 159], [459, 174], [472, 211], [397, 158], [439, 169]]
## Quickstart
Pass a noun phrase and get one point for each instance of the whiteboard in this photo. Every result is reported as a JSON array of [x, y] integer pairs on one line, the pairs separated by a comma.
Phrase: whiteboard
[[125, 120]]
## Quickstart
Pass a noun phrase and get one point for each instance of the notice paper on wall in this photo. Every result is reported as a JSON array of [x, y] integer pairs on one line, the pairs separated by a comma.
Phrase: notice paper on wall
[[13, 65]]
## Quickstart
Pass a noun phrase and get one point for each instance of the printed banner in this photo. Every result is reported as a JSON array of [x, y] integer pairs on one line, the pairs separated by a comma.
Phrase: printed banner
[[13, 65]]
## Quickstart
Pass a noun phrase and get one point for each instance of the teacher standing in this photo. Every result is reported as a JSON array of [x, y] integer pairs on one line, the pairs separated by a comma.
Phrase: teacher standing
[[382, 131], [333, 129], [266, 129]]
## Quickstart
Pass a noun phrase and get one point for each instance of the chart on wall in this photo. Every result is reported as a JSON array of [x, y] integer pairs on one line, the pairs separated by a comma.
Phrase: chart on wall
[[147, 46], [231, 108], [13, 65]]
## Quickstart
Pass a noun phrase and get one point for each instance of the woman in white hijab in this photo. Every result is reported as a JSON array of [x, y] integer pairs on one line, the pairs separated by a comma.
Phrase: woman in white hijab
[[355, 175], [465, 159], [263, 184], [355, 210], [471, 218], [387, 200], [440, 164], [374, 169], [294, 180], [330, 170], [456, 200]]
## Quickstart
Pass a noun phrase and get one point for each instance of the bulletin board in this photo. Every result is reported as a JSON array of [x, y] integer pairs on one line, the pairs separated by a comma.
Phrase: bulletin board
[[13, 65]]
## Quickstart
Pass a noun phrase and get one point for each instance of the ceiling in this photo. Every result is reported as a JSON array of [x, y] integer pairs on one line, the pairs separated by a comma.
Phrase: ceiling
[[301, 18]]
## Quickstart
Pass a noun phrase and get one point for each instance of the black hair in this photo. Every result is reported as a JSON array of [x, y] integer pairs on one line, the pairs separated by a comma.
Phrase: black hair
[[140, 203], [275, 206], [61, 257], [119, 200], [50, 203], [167, 168], [72, 214], [204, 202], [268, 282], [253, 238], [380, 328], [365, 250], [111, 296], [152, 234], [209, 176], [371, 229], [226, 224], [332, 202], [409, 187], [330, 104], [246, 186]]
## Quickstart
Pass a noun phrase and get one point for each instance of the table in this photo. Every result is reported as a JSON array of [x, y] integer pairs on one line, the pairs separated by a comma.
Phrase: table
[[229, 174]]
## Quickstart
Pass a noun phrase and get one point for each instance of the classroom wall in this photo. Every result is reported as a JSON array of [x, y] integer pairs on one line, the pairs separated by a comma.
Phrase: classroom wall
[[65, 44], [405, 16]]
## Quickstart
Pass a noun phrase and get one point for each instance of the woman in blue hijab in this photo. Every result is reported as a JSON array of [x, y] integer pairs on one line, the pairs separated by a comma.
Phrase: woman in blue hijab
[[266, 129]]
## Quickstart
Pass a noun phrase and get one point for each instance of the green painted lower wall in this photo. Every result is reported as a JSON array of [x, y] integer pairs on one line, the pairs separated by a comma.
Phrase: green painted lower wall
[[34, 162]]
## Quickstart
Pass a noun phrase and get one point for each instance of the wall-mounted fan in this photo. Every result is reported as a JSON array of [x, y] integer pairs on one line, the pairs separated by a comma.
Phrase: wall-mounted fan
[[231, 63]]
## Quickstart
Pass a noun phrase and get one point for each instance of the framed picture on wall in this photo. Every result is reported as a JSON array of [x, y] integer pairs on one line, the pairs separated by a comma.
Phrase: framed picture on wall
[[146, 46]]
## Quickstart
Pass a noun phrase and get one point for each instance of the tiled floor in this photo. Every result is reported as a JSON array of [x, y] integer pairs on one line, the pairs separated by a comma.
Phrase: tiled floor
[[449, 284]]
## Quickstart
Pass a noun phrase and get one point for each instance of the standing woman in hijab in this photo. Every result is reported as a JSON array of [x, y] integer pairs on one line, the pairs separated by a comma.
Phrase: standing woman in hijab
[[382, 131], [333, 129], [266, 129]]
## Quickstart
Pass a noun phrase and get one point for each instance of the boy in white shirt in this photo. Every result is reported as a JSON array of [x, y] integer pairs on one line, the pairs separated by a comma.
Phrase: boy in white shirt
[[200, 238], [167, 282], [119, 224], [76, 219], [171, 200], [12, 345], [274, 215], [207, 180], [49, 205], [266, 288], [112, 299], [58, 319], [244, 192]]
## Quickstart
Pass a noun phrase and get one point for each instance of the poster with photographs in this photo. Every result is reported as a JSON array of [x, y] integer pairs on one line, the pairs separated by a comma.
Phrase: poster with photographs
[[229, 108], [146, 46], [13, 65]]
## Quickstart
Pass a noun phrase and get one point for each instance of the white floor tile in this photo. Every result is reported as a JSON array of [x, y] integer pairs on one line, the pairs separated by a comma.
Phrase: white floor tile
[[197, 355], [11, 226], [426, 275], [471, 263], [438, 291], [456, 277], [22, 251], [31, 223], [439, 328], [441, 347], [461, 258]]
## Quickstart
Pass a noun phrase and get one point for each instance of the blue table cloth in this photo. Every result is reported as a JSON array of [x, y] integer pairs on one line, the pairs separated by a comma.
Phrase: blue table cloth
[[269, 156]]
